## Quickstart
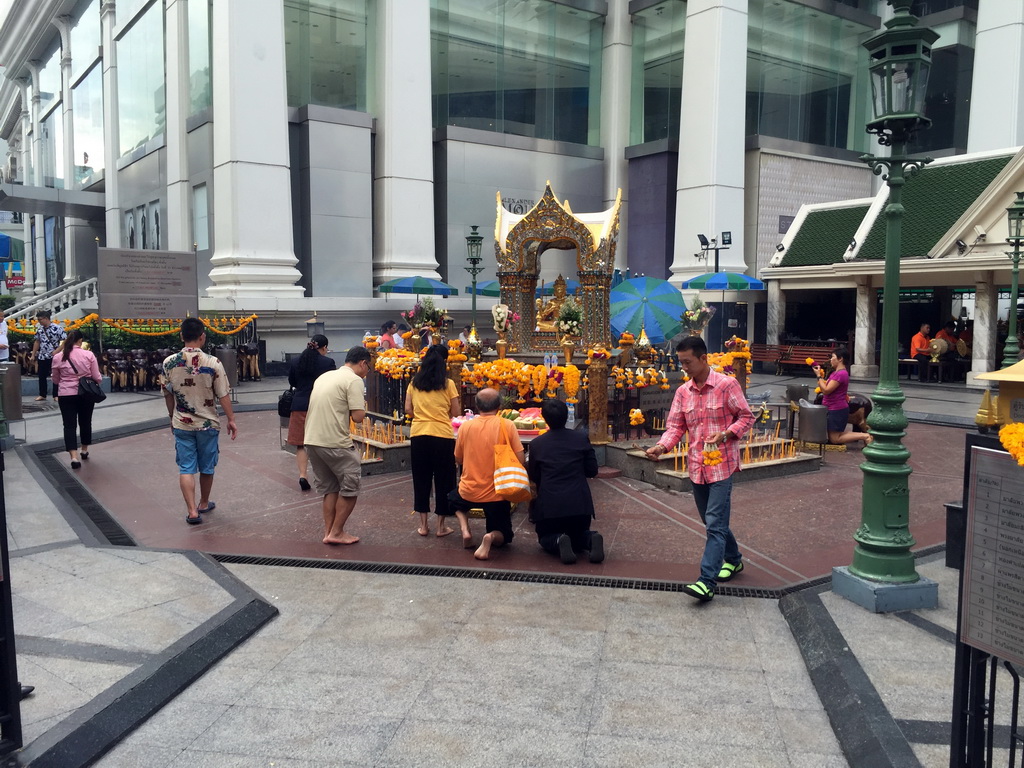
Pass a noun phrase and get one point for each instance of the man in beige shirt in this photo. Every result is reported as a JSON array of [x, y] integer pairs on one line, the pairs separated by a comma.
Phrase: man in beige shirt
[[337, 397]]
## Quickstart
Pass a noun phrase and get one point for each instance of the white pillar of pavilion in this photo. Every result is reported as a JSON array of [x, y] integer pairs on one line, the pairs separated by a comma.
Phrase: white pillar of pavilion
[[111, 126], [864, 366], [176, 225]]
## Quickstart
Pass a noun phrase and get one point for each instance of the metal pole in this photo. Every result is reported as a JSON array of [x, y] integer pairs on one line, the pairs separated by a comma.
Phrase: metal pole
[[1011, 350], [883, 540]]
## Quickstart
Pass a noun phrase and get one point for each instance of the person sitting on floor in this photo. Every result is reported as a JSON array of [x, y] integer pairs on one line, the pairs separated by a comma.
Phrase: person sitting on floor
[[561, 460]]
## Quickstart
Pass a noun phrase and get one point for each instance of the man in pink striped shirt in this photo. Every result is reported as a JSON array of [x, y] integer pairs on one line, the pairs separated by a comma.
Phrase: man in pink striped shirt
[[712, 409]]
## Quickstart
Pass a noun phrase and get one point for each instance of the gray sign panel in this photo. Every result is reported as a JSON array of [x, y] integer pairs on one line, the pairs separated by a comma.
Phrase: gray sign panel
[[148, 284], [992, 607]]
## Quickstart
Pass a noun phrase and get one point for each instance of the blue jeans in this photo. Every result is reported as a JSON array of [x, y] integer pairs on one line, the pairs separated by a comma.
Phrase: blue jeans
[[714, 502]]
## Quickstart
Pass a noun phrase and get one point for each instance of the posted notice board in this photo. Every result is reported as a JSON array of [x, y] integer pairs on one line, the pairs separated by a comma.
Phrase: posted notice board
[[147, 284]]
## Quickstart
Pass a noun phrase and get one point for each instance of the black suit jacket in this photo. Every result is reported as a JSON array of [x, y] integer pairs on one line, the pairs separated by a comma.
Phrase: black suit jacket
[[560, 462], [303, 382]]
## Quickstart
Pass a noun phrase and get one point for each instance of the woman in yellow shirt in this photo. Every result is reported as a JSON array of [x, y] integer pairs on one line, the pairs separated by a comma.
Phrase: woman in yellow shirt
[[431, 401]]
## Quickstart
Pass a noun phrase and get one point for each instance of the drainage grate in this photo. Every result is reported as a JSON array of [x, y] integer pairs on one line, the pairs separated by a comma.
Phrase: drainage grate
[[104, 522], [525, 577]]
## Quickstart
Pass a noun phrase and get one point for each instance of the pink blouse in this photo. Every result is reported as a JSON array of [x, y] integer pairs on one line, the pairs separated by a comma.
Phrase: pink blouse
[[64, 376]]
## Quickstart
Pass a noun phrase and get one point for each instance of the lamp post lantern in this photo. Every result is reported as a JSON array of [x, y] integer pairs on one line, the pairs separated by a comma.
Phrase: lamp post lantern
[[900, 59], [1015, 236], [474, 241], [314, 326]]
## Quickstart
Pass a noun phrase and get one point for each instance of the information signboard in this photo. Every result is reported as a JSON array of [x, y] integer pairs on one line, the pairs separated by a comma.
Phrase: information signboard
[[147, 284], [992, 609]]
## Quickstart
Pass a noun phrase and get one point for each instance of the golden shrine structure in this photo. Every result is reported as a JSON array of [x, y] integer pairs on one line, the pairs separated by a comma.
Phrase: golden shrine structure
[[520, 242]]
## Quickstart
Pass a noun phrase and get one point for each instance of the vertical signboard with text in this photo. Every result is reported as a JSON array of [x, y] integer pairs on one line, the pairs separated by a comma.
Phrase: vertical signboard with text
[[150, 284]]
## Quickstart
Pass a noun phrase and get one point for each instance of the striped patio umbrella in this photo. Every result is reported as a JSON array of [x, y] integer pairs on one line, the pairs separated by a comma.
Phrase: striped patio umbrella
[[485, 288], [724, 281], [421, 286], [649, 302]]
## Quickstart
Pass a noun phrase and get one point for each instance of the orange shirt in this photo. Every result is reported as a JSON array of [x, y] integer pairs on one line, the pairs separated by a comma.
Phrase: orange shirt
[[947, 337], [474, 450], [919, 345]]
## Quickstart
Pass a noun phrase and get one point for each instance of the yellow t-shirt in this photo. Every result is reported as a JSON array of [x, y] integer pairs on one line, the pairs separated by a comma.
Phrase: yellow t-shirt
[[432, 411], [335, 395]]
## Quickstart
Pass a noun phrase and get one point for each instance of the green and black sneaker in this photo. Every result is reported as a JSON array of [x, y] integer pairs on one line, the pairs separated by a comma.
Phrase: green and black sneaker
[[729, 570], [699, 590]]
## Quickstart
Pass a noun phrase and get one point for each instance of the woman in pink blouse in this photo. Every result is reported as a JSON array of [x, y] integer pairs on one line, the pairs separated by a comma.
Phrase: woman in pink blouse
[[69, 365]]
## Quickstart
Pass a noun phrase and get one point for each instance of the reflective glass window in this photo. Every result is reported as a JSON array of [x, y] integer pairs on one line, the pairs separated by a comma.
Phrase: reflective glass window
[[200, 92], [200, 218], [87, 122], [85, 38], [140, 80], [325, 52], [51, 154], [530, 68], [806, 71], [657, 71], [49, 80]]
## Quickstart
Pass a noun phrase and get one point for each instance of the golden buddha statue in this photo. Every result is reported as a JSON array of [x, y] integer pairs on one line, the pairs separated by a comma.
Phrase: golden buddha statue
[[547, 312]]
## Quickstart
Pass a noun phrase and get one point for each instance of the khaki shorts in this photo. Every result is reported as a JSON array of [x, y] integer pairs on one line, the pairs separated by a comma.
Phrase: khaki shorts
[[335, 470]]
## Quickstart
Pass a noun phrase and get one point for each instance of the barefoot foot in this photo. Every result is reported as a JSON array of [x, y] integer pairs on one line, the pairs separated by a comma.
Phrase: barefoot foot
[[483, 552], [343, 539], [422, 531], [467, 540], [444, 531]]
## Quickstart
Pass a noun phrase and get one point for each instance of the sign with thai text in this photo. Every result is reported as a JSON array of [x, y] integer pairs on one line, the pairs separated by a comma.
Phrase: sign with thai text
[[147, 284], [992, 607]]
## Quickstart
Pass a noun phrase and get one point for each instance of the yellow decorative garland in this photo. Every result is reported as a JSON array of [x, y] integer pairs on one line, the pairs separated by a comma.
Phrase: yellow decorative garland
[[1012, 438]]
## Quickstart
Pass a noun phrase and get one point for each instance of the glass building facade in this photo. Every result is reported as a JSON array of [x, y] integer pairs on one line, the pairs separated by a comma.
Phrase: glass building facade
[[87, 122], [200, 85], [531, 68], [140, 80], [805, 75], [657, 71], [326, 52]]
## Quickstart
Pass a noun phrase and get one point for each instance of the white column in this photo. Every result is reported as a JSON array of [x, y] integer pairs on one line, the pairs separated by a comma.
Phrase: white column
[[983, 346], [616, 64], [252, 206], [997, 84], [111, 126], [176, 226], [71, 226], [28, 267], [39, 258], [709, 188], [775, 323], [864, 366], [403, 185]]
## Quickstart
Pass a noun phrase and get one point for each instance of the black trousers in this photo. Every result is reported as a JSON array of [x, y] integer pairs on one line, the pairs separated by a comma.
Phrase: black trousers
[[44, 367], [433, 467], [922, 366], [76, 411], [577, 527]]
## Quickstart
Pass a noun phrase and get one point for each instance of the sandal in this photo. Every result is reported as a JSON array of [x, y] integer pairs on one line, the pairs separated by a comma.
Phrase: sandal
[[194, 520]]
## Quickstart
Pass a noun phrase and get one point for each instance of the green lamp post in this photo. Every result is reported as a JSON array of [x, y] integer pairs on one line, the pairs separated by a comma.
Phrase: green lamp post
[[900, 59], [474, 241], [1015, 226]]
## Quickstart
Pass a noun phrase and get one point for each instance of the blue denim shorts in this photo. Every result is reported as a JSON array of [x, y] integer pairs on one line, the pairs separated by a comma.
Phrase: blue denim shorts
[[196, 451]]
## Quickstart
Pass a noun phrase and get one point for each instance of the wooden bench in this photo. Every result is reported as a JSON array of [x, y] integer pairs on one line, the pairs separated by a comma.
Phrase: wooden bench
[[797, 355], [767, 353]]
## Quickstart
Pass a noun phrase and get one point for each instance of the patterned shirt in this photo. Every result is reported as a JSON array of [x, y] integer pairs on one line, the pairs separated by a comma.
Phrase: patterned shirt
[[717, 406], [196, 380], [49, 339]]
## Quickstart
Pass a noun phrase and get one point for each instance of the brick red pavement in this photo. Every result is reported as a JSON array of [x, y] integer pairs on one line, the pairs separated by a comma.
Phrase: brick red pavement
[[790, 529]]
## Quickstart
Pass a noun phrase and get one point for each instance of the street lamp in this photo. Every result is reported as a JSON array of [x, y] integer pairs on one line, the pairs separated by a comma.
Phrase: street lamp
[[1015, 226], [473, 242], [314, 326], [900, 59]]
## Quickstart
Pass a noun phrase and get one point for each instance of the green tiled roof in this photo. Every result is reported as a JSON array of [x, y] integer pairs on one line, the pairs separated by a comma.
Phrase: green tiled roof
[[933, 201], [824, 237]]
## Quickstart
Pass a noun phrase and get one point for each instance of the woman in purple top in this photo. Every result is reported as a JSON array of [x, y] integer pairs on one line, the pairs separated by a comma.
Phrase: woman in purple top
[[834, 398]]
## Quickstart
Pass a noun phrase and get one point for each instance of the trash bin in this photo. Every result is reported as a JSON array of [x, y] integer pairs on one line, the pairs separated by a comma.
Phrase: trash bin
[[228, 357], [813, 425], [12, 391]]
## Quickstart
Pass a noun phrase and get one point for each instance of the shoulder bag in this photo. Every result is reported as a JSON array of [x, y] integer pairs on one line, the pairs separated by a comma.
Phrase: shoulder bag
[[510, 479], [284, 404], [87, 388]]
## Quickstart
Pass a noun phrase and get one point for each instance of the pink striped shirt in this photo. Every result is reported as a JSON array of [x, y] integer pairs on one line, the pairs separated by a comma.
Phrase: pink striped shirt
[[715, 407]]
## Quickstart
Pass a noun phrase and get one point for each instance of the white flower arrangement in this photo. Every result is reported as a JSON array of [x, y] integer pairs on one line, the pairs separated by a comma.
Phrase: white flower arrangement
[[570, 319]]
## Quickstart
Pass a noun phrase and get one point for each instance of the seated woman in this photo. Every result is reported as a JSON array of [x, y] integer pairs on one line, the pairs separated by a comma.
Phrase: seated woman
[[834, 393], [560, 462]]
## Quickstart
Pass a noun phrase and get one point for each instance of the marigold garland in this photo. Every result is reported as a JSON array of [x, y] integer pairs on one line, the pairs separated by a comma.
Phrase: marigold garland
[[1012, 438], [134, 326], [636, 417]]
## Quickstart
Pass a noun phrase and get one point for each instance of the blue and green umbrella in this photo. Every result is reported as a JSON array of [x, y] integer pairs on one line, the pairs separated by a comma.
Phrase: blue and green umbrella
[[421, 286], [654, 304], [485, 288], [723, 281]]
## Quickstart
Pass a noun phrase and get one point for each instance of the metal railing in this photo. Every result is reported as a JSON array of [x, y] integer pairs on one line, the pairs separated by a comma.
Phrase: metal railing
[[56, 300]]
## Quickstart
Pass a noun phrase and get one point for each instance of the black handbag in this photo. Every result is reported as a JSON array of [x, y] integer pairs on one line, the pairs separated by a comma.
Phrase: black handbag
[[87, 388], [284, 404]]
